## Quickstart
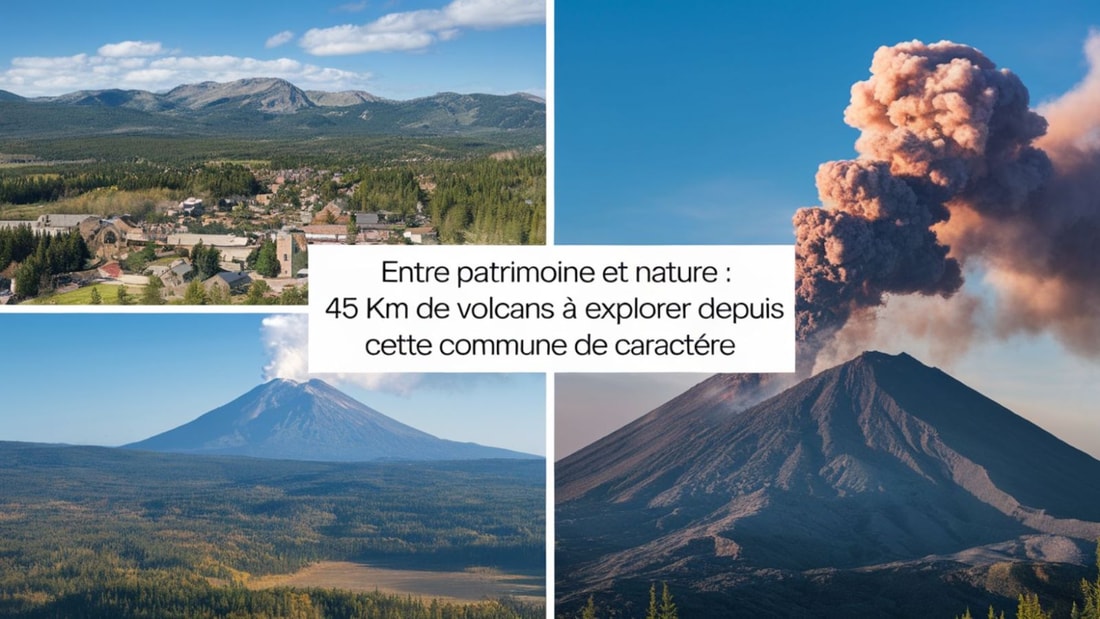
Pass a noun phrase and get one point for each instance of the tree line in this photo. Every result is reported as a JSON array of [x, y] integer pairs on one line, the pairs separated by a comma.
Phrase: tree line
[[665, 608], [484, 200], [218, 180], [165, 597], [1028, 605], [40, 256]]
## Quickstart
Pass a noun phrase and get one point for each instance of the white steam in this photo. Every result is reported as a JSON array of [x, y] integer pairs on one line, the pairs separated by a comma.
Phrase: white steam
[[286, 340]]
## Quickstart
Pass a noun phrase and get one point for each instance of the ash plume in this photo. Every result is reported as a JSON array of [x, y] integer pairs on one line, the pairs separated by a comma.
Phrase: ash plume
[[955, 169]]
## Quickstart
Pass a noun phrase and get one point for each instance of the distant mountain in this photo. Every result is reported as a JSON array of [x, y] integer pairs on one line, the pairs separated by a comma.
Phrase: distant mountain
[[267, 95], [264, 107], [881, 487], [271, 95], [344, 98], [139, 100], [310, 421]]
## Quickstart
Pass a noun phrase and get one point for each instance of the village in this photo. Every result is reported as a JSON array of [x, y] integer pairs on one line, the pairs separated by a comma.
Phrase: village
[[202, 250]]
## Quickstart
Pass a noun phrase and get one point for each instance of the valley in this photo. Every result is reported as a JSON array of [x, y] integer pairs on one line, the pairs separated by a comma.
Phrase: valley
[[251, 172], [123, 533]]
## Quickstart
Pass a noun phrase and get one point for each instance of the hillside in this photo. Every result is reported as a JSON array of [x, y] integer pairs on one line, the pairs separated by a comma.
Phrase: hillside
[[869, 473], [264, 107]]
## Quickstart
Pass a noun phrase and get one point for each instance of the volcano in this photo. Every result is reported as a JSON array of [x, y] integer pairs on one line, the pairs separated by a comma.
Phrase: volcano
[[880, 487], [286, 419]]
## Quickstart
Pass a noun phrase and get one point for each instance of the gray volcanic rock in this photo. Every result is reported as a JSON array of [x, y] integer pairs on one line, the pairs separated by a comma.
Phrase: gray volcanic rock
[[880, 465], [637, 453], [272, 95], [310, 421]]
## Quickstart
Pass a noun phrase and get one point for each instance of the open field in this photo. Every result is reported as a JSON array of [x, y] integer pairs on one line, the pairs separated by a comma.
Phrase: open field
[[470, 585], [103, 202], [108, 294]]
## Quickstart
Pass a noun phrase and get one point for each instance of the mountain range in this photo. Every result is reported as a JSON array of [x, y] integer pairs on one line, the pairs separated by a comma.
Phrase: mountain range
[[264, 106], [880, 487], [311, 420]]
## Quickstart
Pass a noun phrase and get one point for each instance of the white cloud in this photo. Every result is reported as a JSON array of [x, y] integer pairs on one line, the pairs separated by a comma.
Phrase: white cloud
[[128, 49], [408, 22], [496, 13], [351, 40], [128, 65], [412, 30], [285, 337], [286, 340], [276, 40]]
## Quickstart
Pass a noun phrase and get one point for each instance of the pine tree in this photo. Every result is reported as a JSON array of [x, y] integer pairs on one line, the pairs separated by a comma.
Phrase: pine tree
[[205, 260], [1090, 608], [257, 292], [95, 299], [351, 234], [151, 294], [651, 612], [28, 277], [267, 259], [668, 608], [589, 611], [218, 295], [1028, 607], [195, 293], [122, 296]]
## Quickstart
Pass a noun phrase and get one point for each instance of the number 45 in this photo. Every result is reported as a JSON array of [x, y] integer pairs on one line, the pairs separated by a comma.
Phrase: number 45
[[344, 307]]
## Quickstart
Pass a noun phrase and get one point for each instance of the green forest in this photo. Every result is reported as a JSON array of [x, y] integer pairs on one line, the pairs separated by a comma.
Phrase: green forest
[[323, 151], [34, 184], [480, 200], [486, 201], [40, 257], [118, 533]]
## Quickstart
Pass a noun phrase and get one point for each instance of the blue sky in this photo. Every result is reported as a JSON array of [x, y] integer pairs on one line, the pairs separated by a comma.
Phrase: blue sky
[[398, 49], [705, 122], [110, 379]]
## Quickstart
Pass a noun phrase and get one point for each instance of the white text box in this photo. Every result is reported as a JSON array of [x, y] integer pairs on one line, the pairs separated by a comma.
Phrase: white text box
[[387, 308]]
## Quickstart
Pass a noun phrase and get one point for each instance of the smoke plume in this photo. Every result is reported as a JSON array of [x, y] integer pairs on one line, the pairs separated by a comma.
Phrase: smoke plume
[[956, 170]]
